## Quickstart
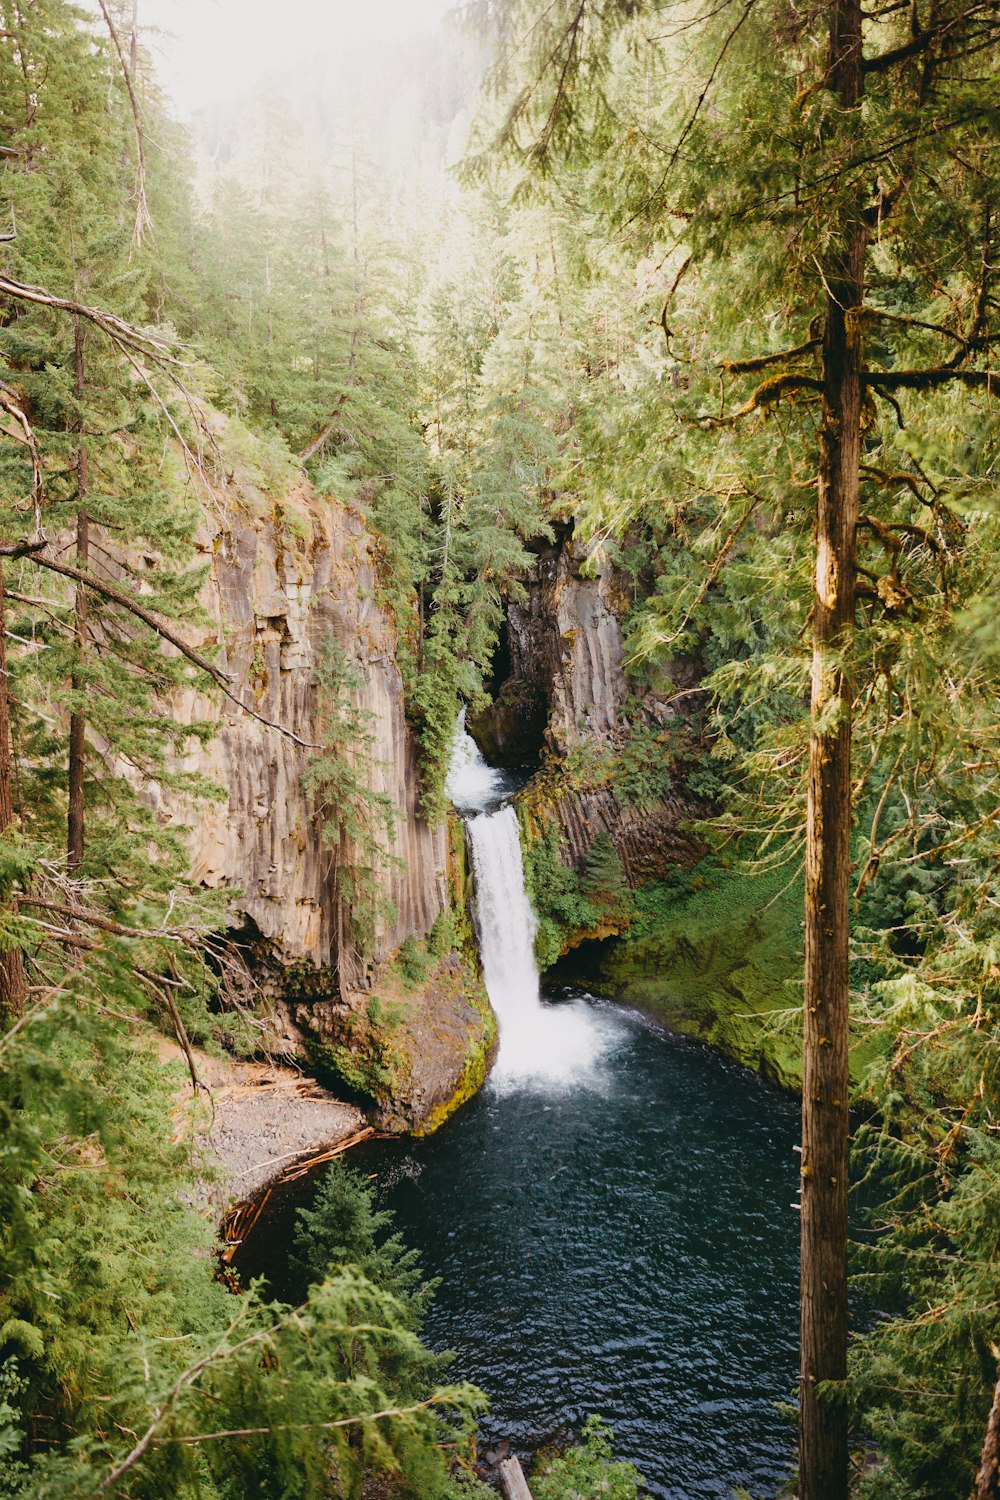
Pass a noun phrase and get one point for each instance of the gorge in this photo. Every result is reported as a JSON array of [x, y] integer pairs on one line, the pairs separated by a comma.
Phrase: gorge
[[602, 1243], [499, 685]]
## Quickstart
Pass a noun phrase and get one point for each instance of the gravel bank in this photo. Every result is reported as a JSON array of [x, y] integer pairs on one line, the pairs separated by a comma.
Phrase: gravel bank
[[260, 1119]]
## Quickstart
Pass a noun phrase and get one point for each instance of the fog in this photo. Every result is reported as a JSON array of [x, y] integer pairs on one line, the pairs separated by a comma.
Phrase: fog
[[207, 50]]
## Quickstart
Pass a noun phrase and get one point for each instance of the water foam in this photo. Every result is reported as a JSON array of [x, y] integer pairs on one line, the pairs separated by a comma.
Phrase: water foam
[[547, 1045]]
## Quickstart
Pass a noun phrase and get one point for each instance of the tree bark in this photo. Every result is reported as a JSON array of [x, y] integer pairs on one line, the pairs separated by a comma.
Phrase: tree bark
[[78, 719], [988, 1478], [823, 1432], [12, 984]]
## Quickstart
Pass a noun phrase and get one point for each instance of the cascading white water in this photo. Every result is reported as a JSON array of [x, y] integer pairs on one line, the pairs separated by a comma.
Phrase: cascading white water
[[550, 1044]]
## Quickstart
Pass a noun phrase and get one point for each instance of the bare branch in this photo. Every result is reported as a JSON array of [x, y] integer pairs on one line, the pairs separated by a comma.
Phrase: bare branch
[[143, 221], [141, 340]]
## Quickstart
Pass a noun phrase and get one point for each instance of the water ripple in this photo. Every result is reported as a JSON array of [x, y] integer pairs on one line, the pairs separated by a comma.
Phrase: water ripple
[[626, 1248]]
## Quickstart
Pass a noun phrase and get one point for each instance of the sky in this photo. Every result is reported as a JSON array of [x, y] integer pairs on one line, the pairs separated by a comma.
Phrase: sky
[[206, 49]]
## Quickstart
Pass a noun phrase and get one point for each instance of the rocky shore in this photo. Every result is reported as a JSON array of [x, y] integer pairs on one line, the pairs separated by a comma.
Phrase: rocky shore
[[254, 1121]]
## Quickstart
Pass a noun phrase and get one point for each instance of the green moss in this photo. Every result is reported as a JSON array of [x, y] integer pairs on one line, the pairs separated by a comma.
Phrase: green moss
[[717, 955], [571, 908], [474, 1073], [460, 895], [366, 1056], [304, 983]]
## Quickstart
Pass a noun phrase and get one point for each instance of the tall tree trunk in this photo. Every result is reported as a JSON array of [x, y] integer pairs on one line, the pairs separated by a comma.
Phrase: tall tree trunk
[[988, 1477], [12, 986], [823, 1432], [78, 720]]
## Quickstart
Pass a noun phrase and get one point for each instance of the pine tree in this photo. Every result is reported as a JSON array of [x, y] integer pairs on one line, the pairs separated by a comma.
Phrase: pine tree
[[819, 220]]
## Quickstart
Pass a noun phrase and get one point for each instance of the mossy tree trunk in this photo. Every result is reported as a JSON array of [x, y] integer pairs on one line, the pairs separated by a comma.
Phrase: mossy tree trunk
[[78, 718], [823, 1433], [12, 983]]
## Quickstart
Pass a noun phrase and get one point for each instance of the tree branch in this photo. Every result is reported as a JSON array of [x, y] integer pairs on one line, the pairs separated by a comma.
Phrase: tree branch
[[925, 380], [752, 366], [766, 394], [155, 623], [152, 345], [143, 221]]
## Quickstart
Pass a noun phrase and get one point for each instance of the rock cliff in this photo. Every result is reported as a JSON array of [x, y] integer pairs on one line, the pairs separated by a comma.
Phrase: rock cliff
[[566, 697], [282, 578]]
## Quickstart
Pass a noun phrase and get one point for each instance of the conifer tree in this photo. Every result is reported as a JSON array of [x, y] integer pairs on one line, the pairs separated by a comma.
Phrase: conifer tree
[[819, 202]]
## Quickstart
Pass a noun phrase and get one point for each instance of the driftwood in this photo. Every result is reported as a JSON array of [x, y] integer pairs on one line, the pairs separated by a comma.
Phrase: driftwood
[[302, 1168], [239, 1221], [512, 1480]]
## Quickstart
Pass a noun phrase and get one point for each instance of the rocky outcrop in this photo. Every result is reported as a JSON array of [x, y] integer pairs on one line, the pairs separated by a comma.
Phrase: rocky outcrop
[[282, 578], [566, 692], [414, 1052], [649, 840], [566, 679]]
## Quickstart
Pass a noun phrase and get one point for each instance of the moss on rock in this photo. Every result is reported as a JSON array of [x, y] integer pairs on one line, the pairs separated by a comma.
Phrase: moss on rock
[[413, 1050], [717, 956]]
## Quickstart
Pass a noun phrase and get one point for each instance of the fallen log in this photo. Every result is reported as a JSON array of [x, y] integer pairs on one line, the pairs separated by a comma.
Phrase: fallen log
[[512, 1480]]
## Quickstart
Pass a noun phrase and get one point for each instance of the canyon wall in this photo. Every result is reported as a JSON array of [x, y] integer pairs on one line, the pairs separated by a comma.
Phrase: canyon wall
[[281, 579], [566, 691]]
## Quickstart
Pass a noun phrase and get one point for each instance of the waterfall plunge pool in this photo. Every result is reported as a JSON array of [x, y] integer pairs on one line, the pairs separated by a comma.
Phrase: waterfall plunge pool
[[621, 1241], [611, 1218], [623, 1245]]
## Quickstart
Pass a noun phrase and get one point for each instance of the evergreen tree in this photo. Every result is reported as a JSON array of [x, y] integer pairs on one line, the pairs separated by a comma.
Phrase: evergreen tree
[[820, 227]]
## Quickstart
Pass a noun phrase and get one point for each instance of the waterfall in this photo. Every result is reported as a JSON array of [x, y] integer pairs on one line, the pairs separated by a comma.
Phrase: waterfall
[[539, 1042], [507, 924]]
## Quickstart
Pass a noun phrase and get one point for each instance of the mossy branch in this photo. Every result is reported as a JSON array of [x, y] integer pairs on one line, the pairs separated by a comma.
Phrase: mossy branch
[[767, 394]]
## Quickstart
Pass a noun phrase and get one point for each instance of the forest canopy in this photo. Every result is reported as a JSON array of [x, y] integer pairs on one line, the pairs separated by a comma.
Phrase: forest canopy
[[710, 289]]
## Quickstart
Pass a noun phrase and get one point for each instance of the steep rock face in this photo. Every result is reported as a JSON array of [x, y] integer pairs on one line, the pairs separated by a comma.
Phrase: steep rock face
[[577, 618], [567, 690], [566, 681], [279, 583]]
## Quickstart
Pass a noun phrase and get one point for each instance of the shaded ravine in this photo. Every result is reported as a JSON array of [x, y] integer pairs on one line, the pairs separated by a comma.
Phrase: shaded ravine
[[611, 1219]]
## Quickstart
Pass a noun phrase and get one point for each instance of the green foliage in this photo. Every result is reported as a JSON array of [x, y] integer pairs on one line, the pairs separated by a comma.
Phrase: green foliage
[[413, 963], [588, 1471], [443, 936], [603, 883], [112, 1320], [365, 1053], [342, 1227], [357, 822], [555, 894]]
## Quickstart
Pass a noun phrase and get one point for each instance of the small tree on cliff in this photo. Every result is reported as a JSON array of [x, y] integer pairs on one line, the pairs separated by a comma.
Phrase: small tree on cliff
[[829, 167]]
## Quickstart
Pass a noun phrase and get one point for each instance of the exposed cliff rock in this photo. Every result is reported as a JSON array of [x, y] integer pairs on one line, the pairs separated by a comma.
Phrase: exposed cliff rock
[[289, 571], [566, 679], [414, 1052], [281, 580], [566, 698]]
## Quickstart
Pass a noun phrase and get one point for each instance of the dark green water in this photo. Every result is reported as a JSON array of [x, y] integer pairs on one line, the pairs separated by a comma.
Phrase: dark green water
[[622, 1242]]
